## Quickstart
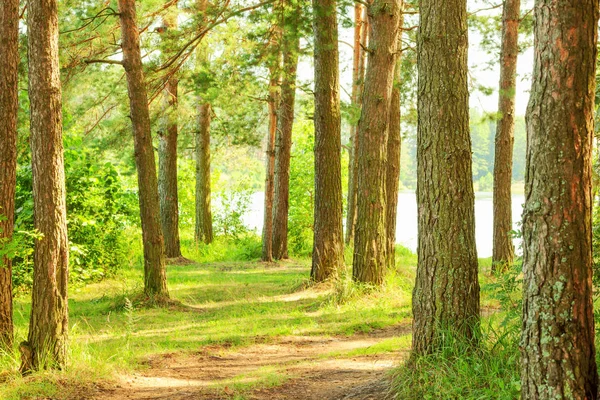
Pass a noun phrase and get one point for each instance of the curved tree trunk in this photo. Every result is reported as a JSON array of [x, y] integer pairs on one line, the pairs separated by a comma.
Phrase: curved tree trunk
[[394, 149], [285, 123], [446, 294], [46, 345], [370, 244], [328, 244], [204, 231], [155, 279], [358, 74], [9, 63], [557, 341], [167, 162], [267, 233], [504, 251]]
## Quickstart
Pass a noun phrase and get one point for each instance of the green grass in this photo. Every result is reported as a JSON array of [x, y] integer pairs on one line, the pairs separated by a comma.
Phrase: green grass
[[230, 299], [233, 303], [458, 372]]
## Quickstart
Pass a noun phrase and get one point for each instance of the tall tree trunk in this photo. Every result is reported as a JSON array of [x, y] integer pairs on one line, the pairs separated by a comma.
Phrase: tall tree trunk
[[285, 123], [267, 233], [9, 63], [155, 278], [167, 162], [446, 294], [557, 339], [370, 244], [46, 345], [504, 251], [361, 26], [328, 244], [204, 231], [394, 149]]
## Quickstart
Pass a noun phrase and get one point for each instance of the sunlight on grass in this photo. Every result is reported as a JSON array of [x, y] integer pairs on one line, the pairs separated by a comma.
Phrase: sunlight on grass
[[223, 303]]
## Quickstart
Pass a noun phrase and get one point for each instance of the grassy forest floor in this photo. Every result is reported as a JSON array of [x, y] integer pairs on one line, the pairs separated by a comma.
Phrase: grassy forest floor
[[235, 330]]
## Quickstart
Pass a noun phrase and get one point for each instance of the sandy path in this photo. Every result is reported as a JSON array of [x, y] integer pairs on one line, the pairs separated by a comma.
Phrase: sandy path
[[294, 367]]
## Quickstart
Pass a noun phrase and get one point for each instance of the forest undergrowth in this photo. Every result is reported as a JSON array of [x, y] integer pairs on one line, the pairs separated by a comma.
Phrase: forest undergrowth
[[226, 298]]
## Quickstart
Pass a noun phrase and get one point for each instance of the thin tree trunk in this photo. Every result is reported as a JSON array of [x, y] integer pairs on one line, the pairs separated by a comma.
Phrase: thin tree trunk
[[328, 244], [267, 234], [9, 63], [285, 123], [504, 251], [370, 244], [167, 163], [394, 149], [155, 279], [446, 294], [557, 339], [46, 345], [361, 26], [204, 231]]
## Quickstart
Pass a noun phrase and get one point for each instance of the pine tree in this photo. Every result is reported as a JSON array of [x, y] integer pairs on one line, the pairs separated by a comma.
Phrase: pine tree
[[285, 123], [46, 345], [9, 63], [557, 341], [370, 244], [155, 279], [328, 244], [446, 293], [167, 159], [503, 250]]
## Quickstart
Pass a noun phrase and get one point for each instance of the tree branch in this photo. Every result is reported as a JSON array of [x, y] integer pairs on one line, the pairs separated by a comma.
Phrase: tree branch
[[93, 61], [193, 43]]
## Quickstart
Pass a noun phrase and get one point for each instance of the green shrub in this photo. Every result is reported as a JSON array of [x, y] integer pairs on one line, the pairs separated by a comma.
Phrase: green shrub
[[229, 210], [99, 212], [302, 177]]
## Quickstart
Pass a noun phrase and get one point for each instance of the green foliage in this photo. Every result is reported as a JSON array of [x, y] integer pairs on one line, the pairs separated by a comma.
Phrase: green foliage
[[459, 372], [302, 173], [99, 211], [596, 262], [229, 210]]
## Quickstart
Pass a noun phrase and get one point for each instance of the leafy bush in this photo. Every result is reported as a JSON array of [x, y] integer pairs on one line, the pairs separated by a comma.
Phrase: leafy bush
[[99, 211], [302, 176], [229, 210]]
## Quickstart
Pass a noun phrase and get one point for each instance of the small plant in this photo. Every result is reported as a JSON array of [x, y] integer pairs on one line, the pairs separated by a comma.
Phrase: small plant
[[231, 206]]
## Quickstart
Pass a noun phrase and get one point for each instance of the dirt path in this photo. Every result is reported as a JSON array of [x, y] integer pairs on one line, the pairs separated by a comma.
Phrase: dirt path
[[295, 367]]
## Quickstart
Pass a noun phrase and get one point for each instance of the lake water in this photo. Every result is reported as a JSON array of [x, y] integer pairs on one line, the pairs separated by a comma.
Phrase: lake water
[[406, 231]]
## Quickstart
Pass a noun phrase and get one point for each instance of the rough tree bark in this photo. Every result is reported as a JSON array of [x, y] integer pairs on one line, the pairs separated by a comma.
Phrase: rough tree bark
[[503, 249], [167, 161], [370, 244], [46, 345], [267, 233], [446, 294], [557, 339], [9, 63], [285, 122], [204, 231], [394, 149], [328, 243], [358, 75], [155, 279]]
